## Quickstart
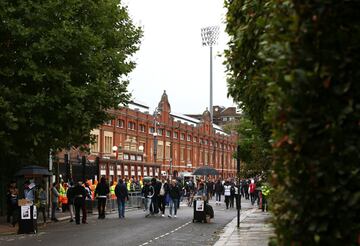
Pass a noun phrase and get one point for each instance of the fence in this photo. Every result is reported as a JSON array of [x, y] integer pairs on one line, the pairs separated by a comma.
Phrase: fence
[[135, 201]]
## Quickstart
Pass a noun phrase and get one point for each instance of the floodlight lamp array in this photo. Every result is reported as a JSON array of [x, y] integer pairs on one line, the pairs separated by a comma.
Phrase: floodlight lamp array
[[209, 35]]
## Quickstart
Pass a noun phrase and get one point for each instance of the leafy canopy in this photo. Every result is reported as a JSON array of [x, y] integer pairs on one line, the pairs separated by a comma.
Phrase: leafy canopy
[[63, 64], [294, 65]]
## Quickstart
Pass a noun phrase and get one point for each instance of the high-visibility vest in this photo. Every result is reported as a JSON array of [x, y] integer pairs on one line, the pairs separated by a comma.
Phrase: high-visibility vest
[[265, 190], [62, 195], [112, 192]]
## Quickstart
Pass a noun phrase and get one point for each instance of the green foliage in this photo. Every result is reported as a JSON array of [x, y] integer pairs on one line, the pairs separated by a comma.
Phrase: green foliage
[[253, 149], [294, 66], [62, 66]]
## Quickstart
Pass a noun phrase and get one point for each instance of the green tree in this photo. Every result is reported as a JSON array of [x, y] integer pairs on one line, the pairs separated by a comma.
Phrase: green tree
[[294, 66], [253, 149], [63, 64]]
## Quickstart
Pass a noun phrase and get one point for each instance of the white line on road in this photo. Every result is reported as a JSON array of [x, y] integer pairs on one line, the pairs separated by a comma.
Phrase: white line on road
[[166, 234]]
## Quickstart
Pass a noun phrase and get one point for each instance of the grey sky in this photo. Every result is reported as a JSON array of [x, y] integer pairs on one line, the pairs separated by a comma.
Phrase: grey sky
[[172, 57]]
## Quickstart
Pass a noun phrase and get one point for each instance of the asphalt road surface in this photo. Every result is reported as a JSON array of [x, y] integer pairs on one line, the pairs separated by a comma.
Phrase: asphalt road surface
[[135, 230]]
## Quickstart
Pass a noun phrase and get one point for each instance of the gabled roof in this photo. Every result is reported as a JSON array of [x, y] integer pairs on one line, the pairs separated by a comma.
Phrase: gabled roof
[[230, 111]]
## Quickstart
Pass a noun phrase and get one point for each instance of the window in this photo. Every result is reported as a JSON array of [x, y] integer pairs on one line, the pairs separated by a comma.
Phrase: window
[[95, 145], [120, 123], [188, 138], [131, 125], [108, 123], [195, 139], [182, 154], [182, 136], [126, 157], [160, 150], [176, 135], [108, 144], [142, 128], [206, 142], [168, 134], [189, 155], [151, 130], [167, 151], [160, 132]]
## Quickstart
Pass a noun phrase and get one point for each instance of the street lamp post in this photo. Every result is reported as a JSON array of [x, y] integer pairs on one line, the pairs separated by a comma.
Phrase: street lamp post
[[238, 184], [116, 150], [209, 37]]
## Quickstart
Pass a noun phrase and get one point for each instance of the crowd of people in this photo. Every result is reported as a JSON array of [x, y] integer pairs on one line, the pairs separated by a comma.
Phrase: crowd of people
[[157, 195]]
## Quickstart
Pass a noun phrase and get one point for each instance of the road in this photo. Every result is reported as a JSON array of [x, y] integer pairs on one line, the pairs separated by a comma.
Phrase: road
[[135, 230]]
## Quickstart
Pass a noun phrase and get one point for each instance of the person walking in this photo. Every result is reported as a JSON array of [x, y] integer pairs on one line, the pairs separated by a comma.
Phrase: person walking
[[174, 193], [101, 192], [246, 189], [122, 196], [148, 192], [41, 201], [154, 200], [79, 194], [265, 191], [218, 191], [232, 194], [12, 196], [54, 201], [252, 191], [70, 197], [162, 196], [227, 193], [87, 198]]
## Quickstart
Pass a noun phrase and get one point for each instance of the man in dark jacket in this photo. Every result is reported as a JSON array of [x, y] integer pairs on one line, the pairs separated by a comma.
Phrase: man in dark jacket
[[174, 193], [219, 189], [101, 192], [154, 200], [79, 194], [148, 192], [121, 193]]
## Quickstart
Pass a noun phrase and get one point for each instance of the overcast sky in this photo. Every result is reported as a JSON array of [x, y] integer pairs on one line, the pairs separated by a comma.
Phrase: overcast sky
[[171, 56]]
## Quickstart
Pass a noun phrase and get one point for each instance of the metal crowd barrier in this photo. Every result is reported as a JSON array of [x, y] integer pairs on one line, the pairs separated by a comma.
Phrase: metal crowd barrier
[[135, 201]]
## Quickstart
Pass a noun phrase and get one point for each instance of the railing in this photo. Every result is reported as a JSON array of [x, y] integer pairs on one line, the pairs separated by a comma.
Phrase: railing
[[135, 201]]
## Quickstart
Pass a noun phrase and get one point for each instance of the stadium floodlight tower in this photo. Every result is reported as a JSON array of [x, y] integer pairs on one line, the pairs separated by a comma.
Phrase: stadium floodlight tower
[[209, 37]]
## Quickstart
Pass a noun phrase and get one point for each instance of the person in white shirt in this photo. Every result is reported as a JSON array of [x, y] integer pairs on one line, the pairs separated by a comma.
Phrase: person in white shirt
[[227, 193]]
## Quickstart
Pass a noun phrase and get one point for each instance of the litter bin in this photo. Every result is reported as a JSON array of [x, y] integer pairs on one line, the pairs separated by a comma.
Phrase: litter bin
[[27, 219]]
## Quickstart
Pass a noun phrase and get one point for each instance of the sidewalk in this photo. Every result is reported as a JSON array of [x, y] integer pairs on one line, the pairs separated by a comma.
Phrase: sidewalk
[[255, 229], [8, 229]]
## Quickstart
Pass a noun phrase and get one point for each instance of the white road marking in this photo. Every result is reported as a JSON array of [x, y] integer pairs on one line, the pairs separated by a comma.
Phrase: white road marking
[[166, 234]]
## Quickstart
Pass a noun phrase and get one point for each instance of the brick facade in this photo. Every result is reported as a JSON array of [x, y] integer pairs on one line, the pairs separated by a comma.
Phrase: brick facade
[[182, 143]]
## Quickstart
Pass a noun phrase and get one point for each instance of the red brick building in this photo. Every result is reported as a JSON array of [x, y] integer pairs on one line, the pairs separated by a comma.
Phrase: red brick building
[[181, 143]]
